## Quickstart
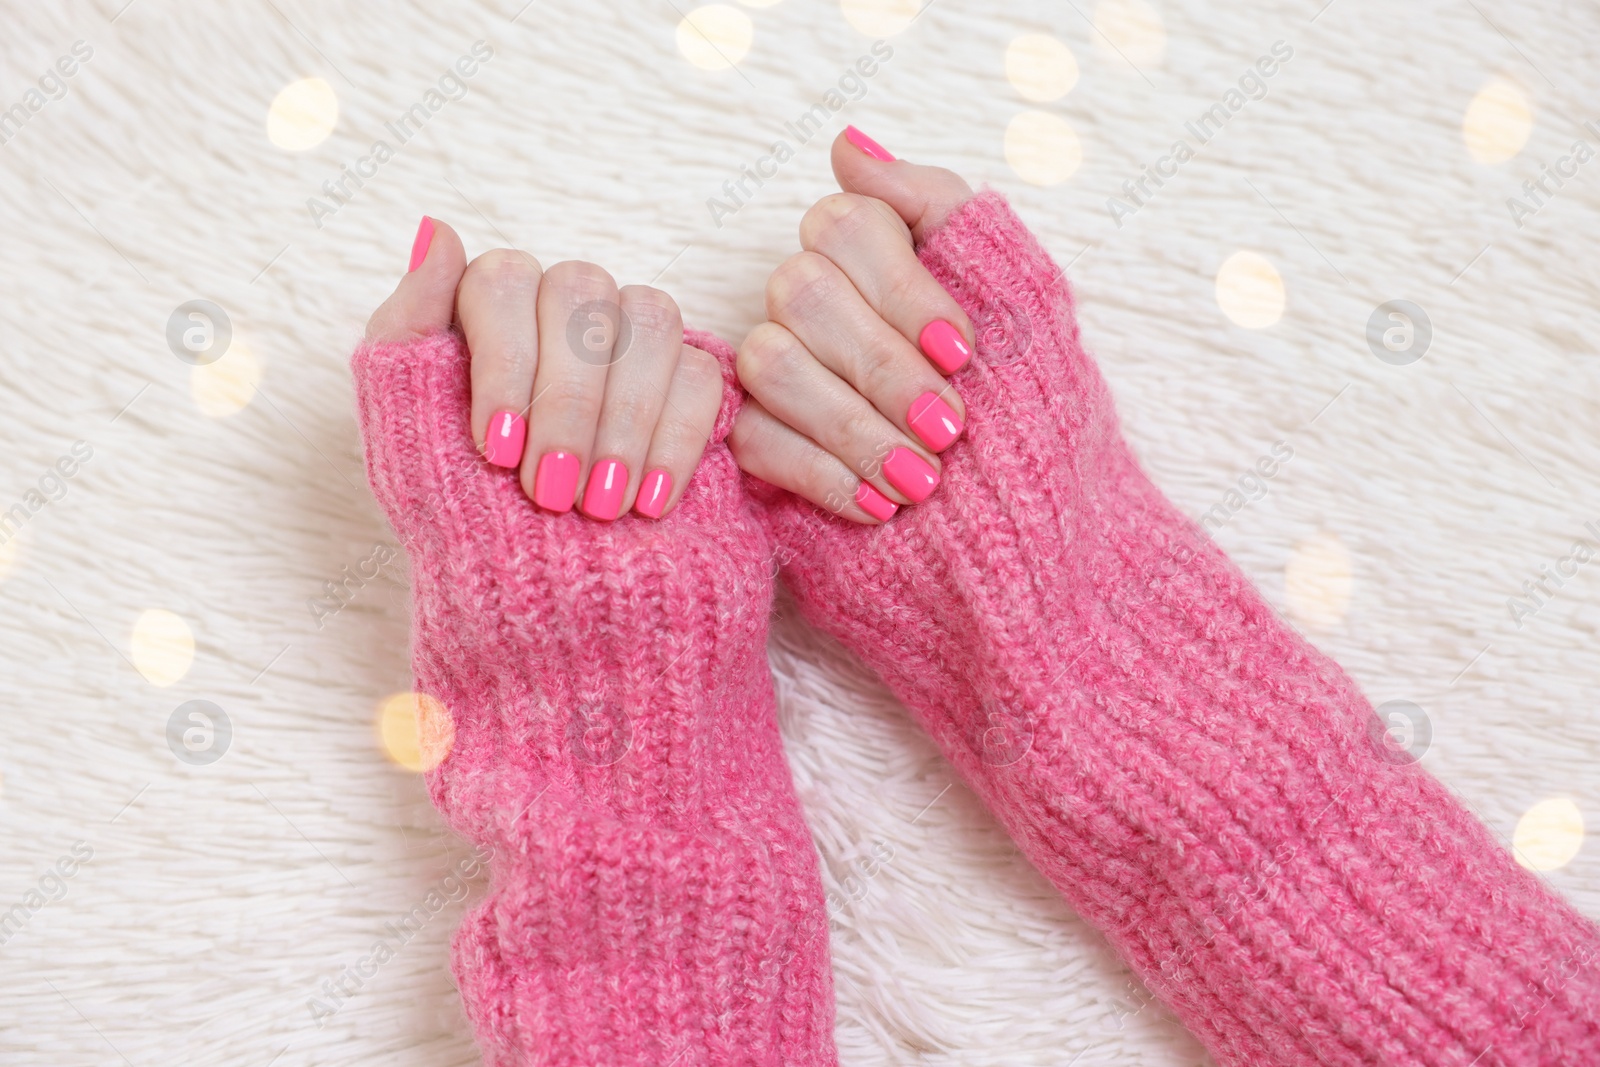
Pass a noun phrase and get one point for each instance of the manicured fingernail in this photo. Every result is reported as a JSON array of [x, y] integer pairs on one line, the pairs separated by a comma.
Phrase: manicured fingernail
[[910, 473], [419, 247], [653, 494], [608, 481], [934, 421], [867, 144], [875, 503], [508, 431], [943, 343], [555, 483]]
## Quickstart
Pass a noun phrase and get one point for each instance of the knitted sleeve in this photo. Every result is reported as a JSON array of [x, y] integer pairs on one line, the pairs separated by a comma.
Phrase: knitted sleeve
[[1197, 780], [655, 896]]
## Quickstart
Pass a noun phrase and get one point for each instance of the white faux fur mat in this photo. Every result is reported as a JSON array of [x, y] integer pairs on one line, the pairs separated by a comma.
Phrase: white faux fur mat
[[163, 910]]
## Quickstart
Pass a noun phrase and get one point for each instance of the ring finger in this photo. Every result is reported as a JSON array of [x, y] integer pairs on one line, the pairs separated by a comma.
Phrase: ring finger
[[649, 337]]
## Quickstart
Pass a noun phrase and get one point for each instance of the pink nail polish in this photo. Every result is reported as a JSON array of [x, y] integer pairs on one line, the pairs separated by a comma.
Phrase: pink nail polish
[[910, 473], [934, 421], [875, 503], [653, 494], [555, 483], [419, 247], [508, 431], [867, 144], [943, 343], [608, 481]]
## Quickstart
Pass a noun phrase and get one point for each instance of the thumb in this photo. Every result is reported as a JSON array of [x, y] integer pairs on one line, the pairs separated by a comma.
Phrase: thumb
[[923, 196], [425, 300]]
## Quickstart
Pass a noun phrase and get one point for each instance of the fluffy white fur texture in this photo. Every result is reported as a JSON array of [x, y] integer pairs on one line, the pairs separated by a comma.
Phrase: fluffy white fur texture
[[220, 898]]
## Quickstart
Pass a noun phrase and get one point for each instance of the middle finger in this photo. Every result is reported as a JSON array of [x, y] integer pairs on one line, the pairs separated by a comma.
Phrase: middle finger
[[578, 319]]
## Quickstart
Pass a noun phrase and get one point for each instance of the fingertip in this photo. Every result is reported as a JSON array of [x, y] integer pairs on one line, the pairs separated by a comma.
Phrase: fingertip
[[655, 494], [867, 145], [877, 506], [424, 300]]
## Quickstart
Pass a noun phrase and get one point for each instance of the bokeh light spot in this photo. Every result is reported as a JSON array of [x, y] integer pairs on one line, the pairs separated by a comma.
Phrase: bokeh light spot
[[416, 730], [1042, 148], [1317, 581], [1498, 122], [1250, 290], [1130, 31], [1040, 68], [163, 647], [227, 386], [11, 553], [879, 18], [715, 37], [1548, 835], [302, 115]]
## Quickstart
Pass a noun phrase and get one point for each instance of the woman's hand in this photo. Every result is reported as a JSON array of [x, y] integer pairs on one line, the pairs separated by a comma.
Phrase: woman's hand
[[849, 403], [589, 389]]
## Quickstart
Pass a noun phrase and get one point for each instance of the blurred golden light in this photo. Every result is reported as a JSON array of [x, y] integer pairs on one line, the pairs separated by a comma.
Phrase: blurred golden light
[[227, 386], [1039, 67], [1498, 122], [1317, 581], [163, 647], [1042, 149], [1250, 290], [715, 37], [1548, 835], [879, 18], [416, 730], [1130, 30], [302, 115]]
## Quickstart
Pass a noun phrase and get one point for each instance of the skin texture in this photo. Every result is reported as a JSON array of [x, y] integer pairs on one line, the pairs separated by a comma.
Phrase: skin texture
[[597, 372], [836, 375]]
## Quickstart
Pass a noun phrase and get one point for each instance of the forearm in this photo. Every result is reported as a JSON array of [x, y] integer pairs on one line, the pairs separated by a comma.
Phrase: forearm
[[1194, 777], [655, 892]]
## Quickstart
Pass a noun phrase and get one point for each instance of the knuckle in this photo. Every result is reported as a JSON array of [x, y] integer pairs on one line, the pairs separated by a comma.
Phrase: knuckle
[[569, 399], [947, 177], [632, 414], [859, 432], [650, 310], [699, 367], [766, 350], [907, 288], [582, 277], [835, 218], [877, 371], [502, 270], [702, 376], [800, 282]]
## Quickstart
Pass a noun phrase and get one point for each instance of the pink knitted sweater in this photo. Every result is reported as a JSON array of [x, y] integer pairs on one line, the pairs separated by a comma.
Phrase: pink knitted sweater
[[656, 897], [1197, 780]]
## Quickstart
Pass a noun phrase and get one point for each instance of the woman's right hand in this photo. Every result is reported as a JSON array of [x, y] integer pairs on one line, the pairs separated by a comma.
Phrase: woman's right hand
[[850, 405], [587, 388]]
